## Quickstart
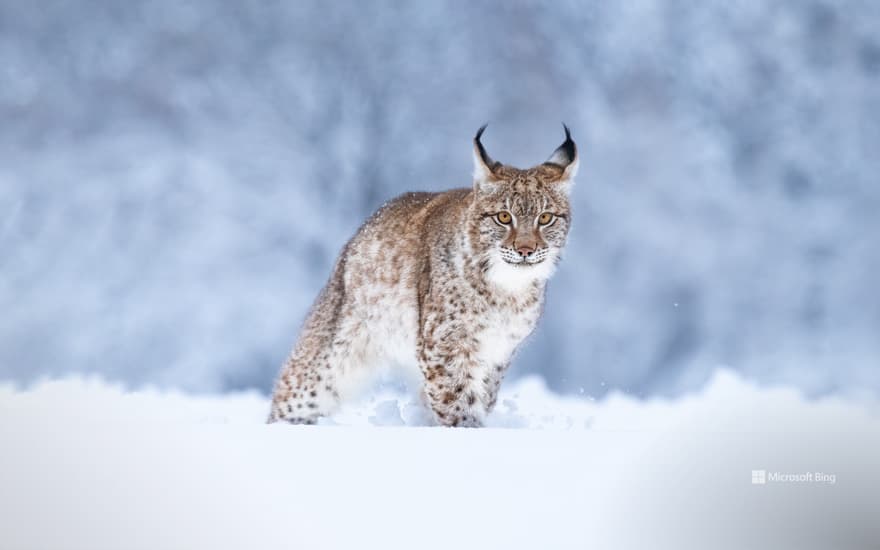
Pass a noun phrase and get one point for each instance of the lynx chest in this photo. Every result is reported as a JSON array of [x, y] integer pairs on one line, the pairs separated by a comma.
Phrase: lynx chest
[[504, 327]]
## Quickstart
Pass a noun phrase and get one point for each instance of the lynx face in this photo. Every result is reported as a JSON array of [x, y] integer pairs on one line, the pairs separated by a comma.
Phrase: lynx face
[[522, 216]]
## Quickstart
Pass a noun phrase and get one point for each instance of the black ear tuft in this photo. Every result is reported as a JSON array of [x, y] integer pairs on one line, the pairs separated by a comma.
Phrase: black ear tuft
[[481, 151], [566, 157], [566, 153], [480, 132]]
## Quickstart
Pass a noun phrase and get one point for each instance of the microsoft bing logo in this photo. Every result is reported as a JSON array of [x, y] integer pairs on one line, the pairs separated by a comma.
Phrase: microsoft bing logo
[[759, 477]]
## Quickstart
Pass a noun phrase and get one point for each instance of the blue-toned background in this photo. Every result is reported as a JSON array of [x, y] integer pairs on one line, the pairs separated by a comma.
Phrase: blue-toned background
[[176, 178]]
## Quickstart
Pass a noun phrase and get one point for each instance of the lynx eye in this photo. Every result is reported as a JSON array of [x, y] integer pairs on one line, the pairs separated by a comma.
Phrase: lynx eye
[[503, 217], [545, 218]]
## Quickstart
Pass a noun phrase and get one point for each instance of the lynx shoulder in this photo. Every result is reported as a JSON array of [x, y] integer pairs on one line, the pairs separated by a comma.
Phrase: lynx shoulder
[[449, 283]]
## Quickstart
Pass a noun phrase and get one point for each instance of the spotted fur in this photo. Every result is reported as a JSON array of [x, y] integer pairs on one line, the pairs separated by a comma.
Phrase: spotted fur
[[439, 282]]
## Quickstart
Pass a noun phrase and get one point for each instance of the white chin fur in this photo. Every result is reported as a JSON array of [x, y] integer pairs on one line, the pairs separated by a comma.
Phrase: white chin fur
[[518, 278]]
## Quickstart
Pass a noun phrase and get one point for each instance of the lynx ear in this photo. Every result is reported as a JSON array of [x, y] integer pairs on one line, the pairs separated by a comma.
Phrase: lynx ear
[[484, 166], [566, 157]]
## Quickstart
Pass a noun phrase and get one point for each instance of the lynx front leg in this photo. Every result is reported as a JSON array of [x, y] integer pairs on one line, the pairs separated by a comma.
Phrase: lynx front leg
[[493, 384], [455, 389]]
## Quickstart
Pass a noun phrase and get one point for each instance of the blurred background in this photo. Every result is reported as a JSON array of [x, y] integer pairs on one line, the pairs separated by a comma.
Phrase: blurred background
[[176, 179]]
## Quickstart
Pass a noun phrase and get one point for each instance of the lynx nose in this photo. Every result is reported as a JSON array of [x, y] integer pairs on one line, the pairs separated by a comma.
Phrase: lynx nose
[[526, 250]]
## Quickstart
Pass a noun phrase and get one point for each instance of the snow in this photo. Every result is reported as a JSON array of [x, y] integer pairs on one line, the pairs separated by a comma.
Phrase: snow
[[86, 464]]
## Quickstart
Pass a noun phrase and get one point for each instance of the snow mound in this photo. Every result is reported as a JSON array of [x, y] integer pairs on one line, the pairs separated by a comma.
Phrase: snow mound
[[89, 465]]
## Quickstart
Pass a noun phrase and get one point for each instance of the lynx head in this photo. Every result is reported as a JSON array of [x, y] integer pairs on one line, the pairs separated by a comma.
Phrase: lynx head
[[520, 217]]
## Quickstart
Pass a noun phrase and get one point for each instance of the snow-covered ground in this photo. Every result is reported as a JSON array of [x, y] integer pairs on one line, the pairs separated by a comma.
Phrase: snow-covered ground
[[85, 464]]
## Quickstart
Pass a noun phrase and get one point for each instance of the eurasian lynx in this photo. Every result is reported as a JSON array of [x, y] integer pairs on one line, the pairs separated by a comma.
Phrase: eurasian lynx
[[451, 282]]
